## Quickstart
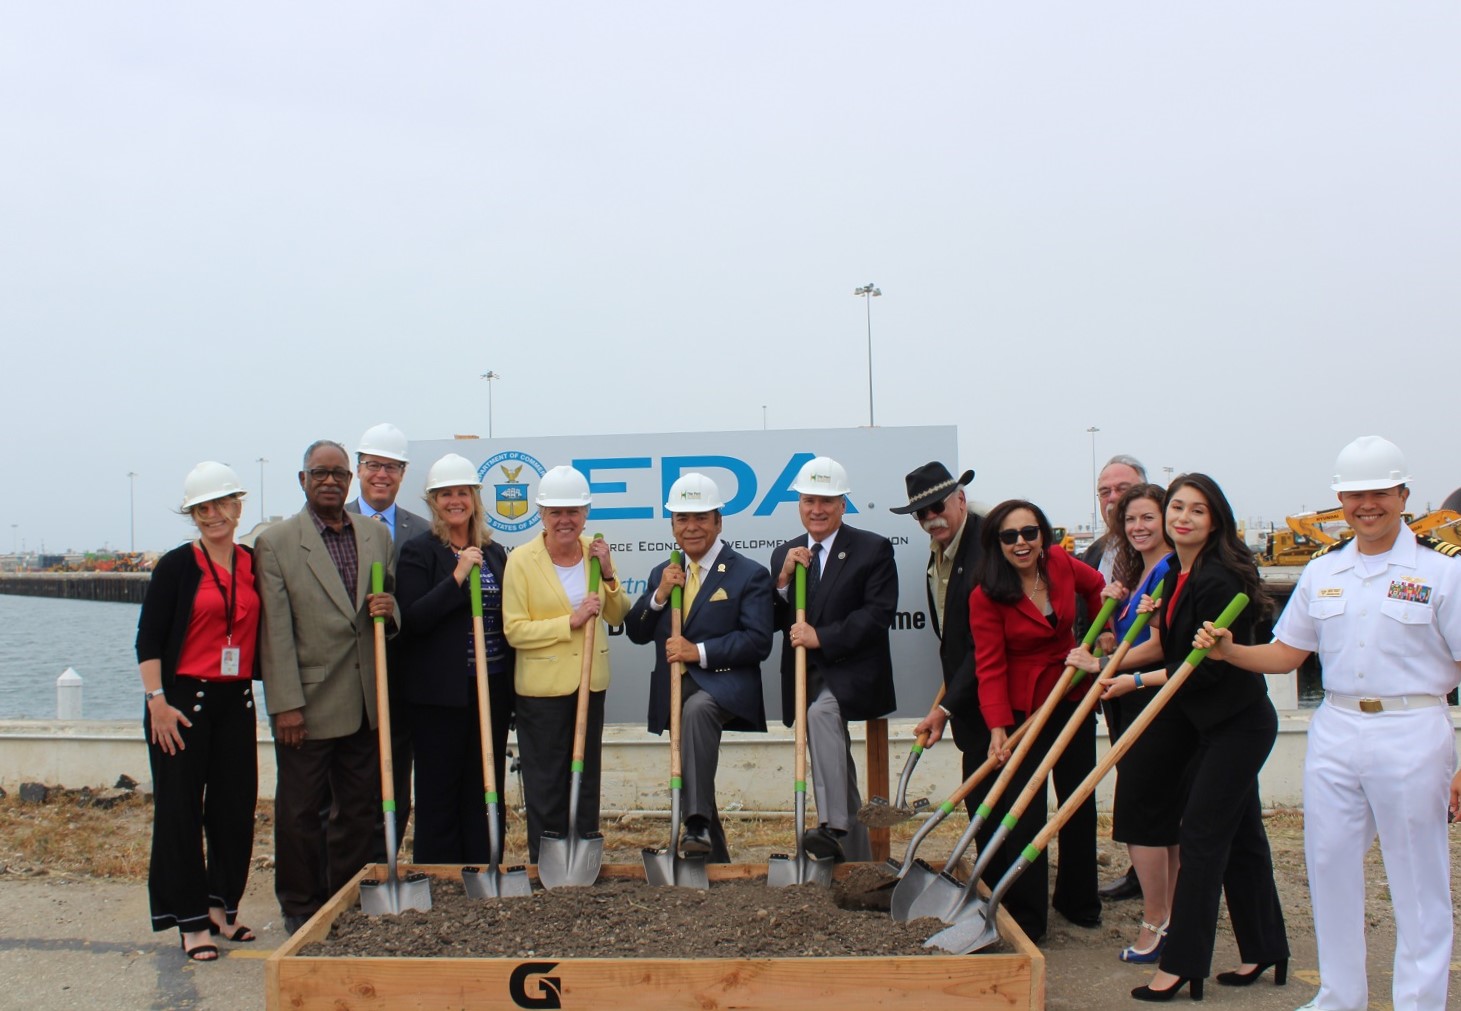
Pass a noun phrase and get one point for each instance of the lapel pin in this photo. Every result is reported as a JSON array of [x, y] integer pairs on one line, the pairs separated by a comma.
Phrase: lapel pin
[[841, 555], [720, 567]]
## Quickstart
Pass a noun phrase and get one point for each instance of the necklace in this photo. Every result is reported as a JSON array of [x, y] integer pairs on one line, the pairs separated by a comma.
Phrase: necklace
[[1037, 588]]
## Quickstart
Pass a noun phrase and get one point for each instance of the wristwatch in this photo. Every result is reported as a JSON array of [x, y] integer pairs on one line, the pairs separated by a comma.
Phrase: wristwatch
[[149, 696]]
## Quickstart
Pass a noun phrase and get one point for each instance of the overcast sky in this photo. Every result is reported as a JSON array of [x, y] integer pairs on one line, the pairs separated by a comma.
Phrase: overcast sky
[[1227, 235]]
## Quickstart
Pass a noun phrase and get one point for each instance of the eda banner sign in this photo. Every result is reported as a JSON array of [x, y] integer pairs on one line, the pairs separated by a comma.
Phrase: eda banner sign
[[630, 477]]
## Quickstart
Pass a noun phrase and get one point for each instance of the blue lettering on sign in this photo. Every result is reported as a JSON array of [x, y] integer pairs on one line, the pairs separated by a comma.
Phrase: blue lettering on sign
[[587, 467]]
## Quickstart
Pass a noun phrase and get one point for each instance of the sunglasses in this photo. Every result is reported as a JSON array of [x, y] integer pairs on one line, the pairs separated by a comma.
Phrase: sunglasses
[[1031, 534], [937, 509]]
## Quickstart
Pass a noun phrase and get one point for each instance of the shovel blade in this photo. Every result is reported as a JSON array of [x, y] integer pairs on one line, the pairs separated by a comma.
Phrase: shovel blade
[[489, 883], [783, 871], [659, 867], [906, 893], [568, 861], [940, 897], [972, 932], [393, 896]]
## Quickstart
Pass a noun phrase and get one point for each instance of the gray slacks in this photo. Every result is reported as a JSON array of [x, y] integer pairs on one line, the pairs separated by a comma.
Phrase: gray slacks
[[834, 775]]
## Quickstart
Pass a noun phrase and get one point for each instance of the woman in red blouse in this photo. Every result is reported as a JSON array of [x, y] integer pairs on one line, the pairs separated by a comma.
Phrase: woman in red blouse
[[1021, 615], [196, 652]]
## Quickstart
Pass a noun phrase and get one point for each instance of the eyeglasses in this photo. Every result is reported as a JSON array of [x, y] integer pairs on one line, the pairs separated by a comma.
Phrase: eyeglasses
[[1031, 534], [937, 509], [389, 466], [340, 474]]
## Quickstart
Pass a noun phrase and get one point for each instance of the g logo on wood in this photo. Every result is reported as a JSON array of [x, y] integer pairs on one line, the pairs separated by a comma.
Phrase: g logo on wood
[[549, 987]]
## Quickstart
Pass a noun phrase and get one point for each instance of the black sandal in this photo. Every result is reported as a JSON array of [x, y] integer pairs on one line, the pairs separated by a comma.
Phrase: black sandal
[[240, 935], [196, 954]]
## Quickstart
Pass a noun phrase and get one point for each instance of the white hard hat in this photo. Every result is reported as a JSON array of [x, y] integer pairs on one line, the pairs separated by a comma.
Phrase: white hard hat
[[451, 471], [694, 493], [208, 481], [384, 440], [1370, 463], [821, 476], [563, 486]]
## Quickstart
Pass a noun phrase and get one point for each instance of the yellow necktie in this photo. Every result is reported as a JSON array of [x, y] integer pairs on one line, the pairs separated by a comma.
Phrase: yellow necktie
[[692, 586]]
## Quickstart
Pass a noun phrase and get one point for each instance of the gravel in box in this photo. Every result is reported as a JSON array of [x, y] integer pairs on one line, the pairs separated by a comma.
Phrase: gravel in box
[[630, 919]]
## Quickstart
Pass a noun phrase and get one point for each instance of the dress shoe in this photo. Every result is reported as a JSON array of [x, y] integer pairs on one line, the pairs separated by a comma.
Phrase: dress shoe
[[695, 839], [1148, 956], [1146, 993], [825, 843], [1125, 887], [1280, 975], [293, 923]]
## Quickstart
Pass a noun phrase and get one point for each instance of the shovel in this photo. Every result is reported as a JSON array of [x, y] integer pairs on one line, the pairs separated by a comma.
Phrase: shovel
[[912, 876], [571, 860], [801, 868], [878, 813], [491, 882], [1036, 785], [944, 891], [666, 866], [393, 894], [974, 927]]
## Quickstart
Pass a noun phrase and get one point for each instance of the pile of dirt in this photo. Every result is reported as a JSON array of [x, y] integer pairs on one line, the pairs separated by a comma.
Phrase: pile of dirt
[[630, 919]]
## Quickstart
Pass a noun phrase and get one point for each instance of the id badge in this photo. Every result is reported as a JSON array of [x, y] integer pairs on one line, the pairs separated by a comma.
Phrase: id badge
[[228, 665]]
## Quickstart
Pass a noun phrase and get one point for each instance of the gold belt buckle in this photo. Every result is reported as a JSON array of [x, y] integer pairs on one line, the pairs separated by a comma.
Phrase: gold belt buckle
[[1371, 706]]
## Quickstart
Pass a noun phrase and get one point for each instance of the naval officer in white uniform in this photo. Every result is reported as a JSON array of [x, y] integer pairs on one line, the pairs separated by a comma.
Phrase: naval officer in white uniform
[[1383, 609]]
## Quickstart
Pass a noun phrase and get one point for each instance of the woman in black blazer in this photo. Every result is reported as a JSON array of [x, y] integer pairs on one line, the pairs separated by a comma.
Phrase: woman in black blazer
[[1223, 843], [440, 669]]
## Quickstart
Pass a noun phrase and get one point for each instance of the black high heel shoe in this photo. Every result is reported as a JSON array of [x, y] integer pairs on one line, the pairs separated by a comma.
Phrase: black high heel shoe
[[1146, 993], [1280, 975]]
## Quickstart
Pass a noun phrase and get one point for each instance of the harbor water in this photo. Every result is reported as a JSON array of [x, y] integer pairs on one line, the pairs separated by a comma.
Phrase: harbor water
[[40, 637]]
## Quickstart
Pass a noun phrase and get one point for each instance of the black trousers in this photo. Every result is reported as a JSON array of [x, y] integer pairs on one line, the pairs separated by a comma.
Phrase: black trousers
[[1225, 850], [1075, 879], [545, 737], [346, 769], [203, 793], [451, 810]]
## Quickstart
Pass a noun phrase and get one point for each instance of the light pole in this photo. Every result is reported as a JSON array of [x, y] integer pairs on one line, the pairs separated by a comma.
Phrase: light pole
[[763, 417], [489, 375], [868, 292], [132, 509], [1168, 472], [15, 542], [263, 515], [1096, 499]]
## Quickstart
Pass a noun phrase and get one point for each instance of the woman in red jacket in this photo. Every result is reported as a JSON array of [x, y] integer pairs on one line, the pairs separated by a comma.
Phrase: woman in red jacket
[[1021, 615]]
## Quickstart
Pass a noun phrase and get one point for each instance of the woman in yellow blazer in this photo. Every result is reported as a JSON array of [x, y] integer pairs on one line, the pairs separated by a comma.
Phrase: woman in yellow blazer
[[545, 607]]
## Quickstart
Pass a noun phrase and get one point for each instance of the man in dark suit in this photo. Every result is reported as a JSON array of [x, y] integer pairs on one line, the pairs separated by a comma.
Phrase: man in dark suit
[[942, 510], [316, 647], [852, 593], [724, 635], [380, 465]]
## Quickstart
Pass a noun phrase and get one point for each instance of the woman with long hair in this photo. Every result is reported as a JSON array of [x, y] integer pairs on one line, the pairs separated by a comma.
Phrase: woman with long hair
[[1022, 615], [1228, 714], [1148, 801], [438, 654], [196, 651]]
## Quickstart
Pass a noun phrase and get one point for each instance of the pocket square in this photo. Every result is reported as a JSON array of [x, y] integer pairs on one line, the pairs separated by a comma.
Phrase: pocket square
[[719, 594]]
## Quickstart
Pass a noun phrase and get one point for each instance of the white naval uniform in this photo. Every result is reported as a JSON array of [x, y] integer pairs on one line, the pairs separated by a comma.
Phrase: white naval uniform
[[1384, 626]]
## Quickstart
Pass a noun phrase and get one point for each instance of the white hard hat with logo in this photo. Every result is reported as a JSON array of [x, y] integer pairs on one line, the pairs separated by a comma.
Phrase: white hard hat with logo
[[451, 471], [208, 481], [563, 486], [694, 493], [821, 475], [384, 440], [1370, 463]]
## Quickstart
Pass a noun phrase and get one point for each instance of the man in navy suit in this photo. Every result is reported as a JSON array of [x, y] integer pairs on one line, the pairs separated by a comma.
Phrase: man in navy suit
[[725, 633], [852, 593]]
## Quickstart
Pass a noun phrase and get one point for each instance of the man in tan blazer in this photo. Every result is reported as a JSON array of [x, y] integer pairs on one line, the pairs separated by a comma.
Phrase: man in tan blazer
[[316, 644]]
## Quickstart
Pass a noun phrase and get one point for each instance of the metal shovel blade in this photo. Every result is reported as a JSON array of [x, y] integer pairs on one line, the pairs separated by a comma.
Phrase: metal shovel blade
[[783, 870], [667, 869], [975, 930], [564, 861], [940, 897], [915, 881], [378, 898], [490, 883]]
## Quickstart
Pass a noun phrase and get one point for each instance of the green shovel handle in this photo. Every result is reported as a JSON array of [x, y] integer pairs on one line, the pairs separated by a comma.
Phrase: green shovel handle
[[801, 587], [1098, 624], [1229, 615], [593, 570], [378, 585], [675, 596], [476, 579]]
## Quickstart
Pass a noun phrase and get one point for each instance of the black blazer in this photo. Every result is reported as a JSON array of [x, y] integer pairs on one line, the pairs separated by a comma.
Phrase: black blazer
[[167, 610], [732, 617], [1215, 691], [956, 643], [856, 600], [436, 617]]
